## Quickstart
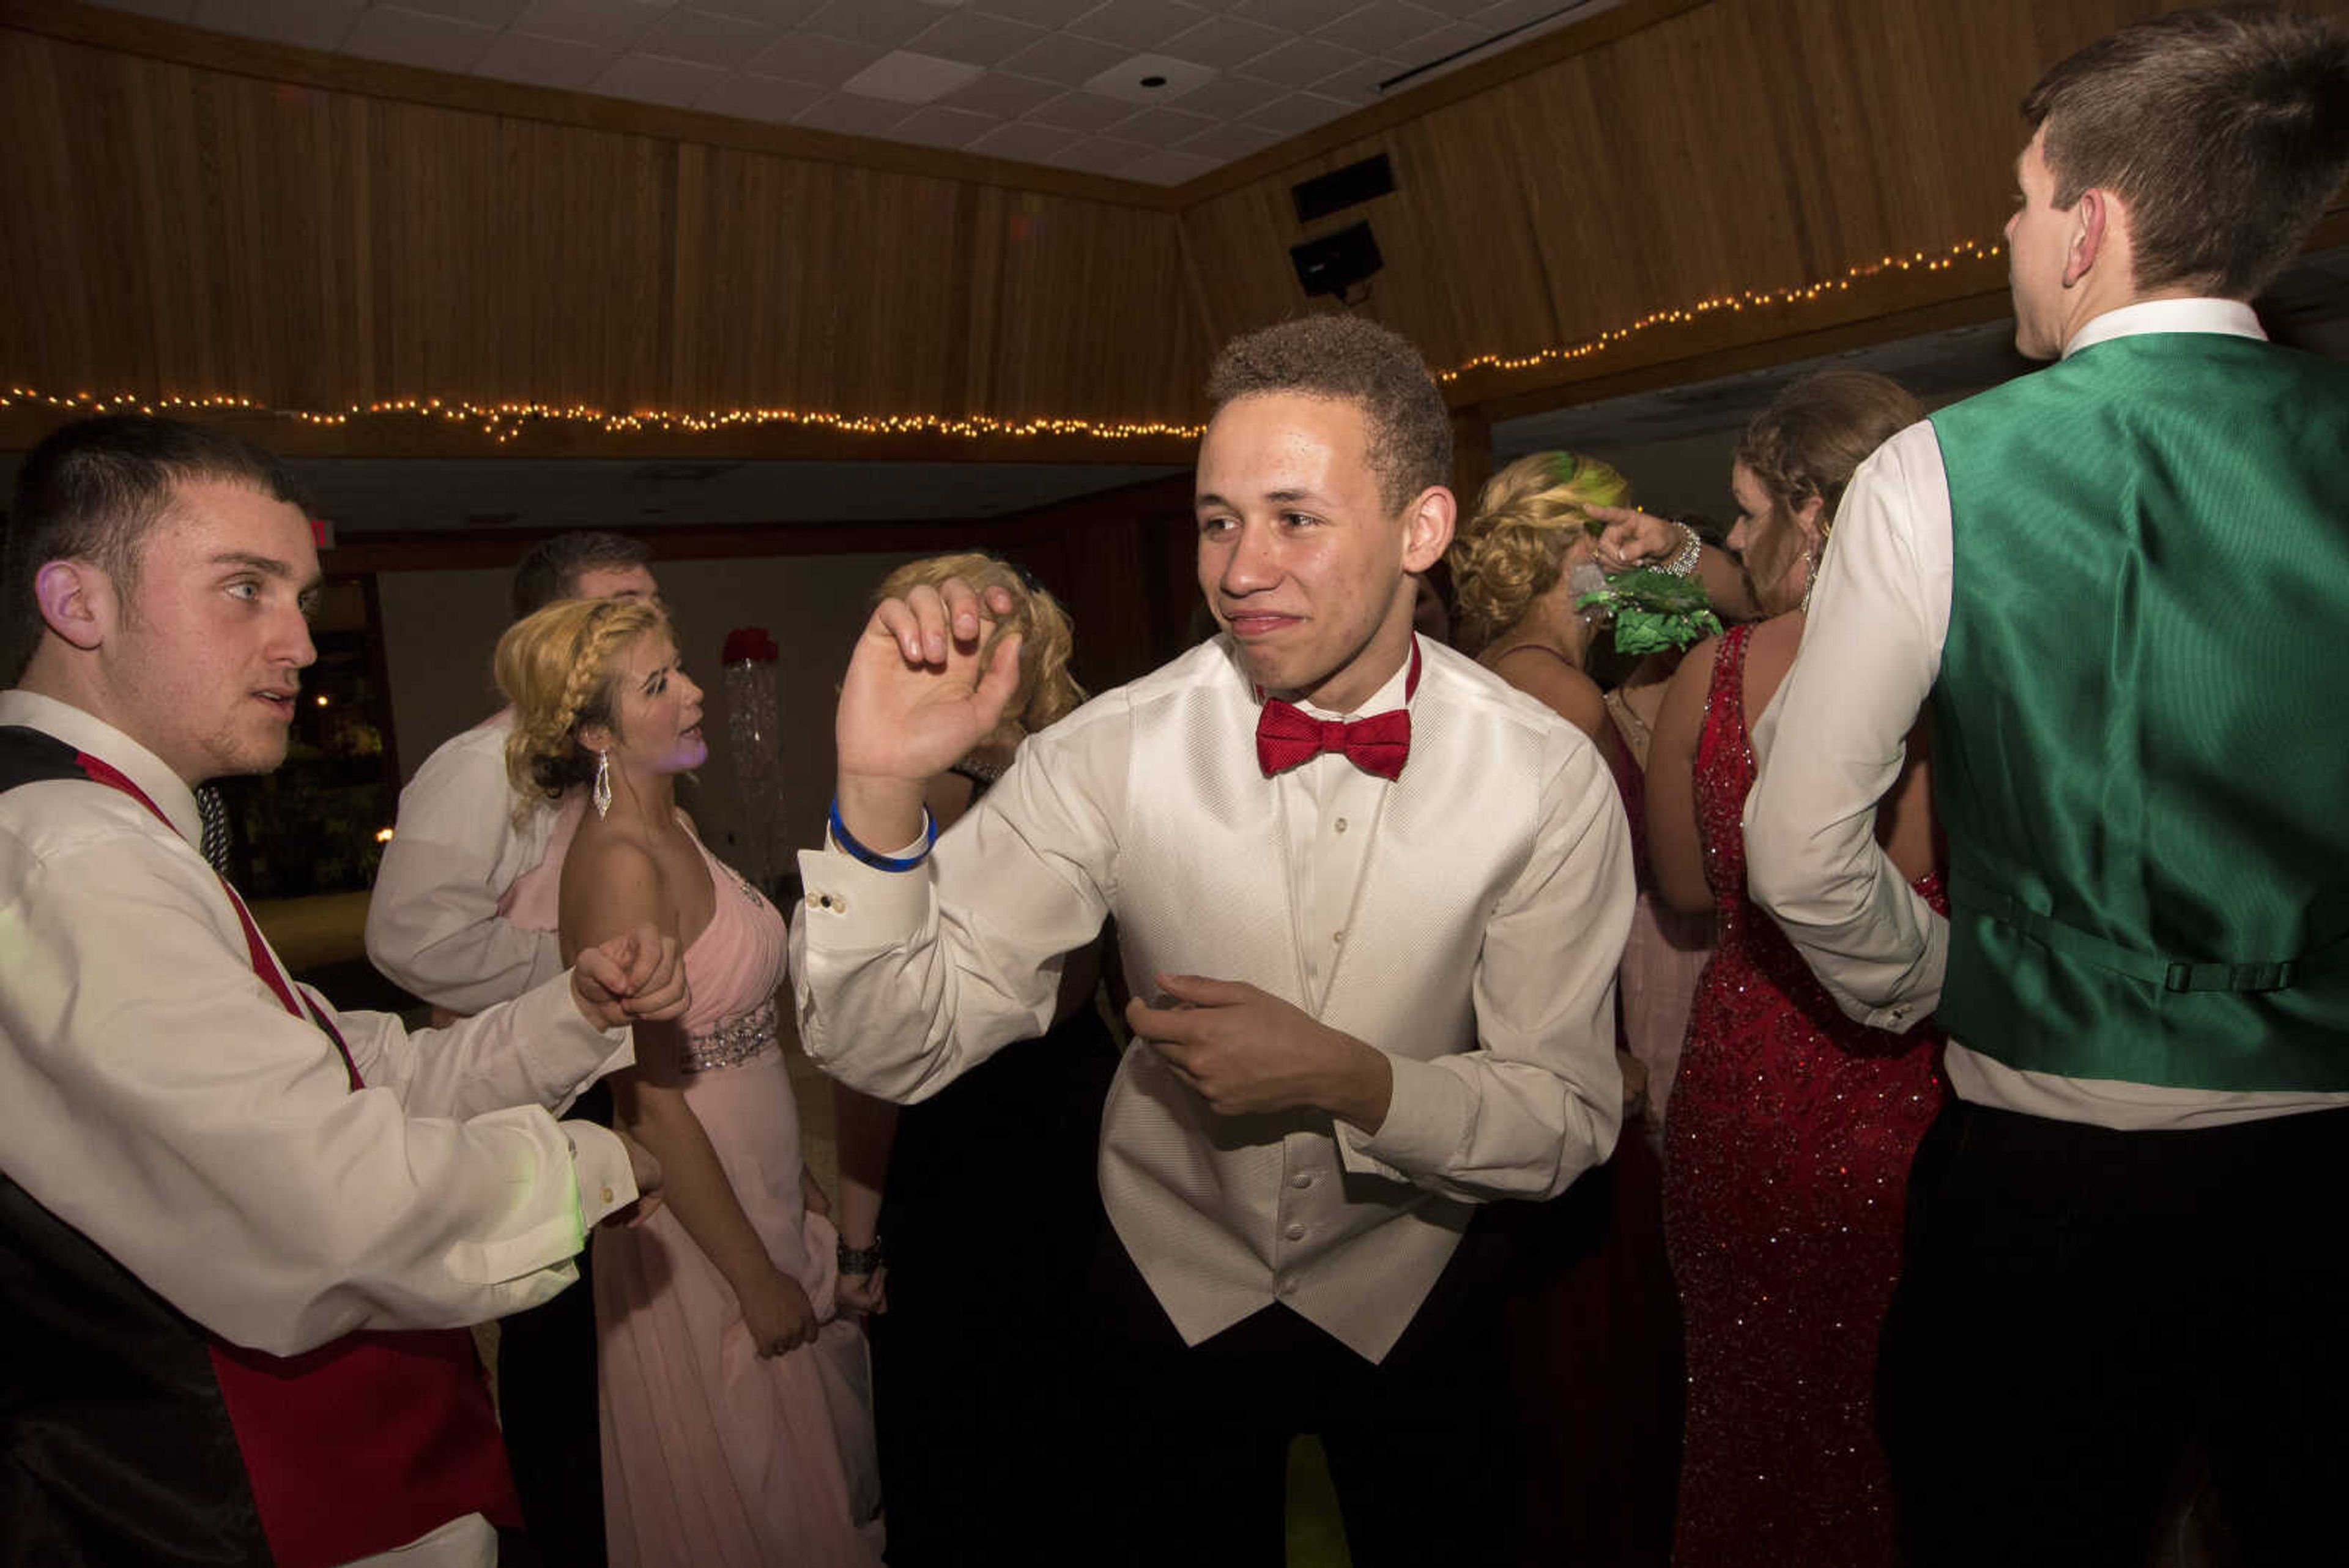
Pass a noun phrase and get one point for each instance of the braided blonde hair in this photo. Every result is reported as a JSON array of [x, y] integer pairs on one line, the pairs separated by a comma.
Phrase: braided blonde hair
[[560, 667], [1511, 551], [1047, 692]]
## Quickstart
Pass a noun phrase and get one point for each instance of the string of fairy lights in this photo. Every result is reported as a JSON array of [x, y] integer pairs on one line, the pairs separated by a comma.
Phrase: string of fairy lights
[[504, 421]]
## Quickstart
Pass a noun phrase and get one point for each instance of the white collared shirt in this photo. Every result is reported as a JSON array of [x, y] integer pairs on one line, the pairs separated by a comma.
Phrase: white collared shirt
[[158, 1096], [1833, 739], [1466, 920], [456, 849]]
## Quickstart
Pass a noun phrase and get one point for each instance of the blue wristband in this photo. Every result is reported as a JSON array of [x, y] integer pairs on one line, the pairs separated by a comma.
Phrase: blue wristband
[[842, 836]]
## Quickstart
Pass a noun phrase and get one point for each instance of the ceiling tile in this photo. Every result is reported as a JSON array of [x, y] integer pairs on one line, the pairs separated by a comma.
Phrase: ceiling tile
[[1027, 141], [1294, 16], [652, 79], [888, 23], [1137, 24], [1298, 111], [904, 76], [1165, 168], [745, 96], [1455, 7], [487, 13], [1005, 96], [1080, 111], [1161, 127], [1442, 43], [975, 36], [774, 13], [1062, 58], [853, 115], [806, 57], [1223, 42], [1230, 97], [296, 22], [167, 10], [1226, 143], [606, 24], [1039, 13], [1507, 13], [1098, 155], [1383, 27], [414, 38], [544, 62], [1302, 62], [935, 127], [706, 38], [1359, 83]]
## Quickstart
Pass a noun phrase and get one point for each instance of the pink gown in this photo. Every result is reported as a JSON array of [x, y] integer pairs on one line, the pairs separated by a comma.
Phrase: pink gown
[[712, 1456], [1786, 1156]]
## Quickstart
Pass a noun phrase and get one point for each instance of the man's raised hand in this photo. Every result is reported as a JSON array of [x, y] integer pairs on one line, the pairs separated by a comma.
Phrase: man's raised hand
[[920, 692]]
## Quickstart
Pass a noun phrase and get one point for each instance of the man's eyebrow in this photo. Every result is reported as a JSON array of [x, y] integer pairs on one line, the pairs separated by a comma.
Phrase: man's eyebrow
[[1279, 497], [268, 565]]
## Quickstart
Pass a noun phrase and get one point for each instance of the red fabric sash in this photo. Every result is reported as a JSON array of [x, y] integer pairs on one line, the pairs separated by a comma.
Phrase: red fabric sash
[[372, 1439]]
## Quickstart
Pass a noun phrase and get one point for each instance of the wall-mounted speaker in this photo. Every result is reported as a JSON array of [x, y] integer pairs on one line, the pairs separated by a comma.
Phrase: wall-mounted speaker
[[1336, 262]]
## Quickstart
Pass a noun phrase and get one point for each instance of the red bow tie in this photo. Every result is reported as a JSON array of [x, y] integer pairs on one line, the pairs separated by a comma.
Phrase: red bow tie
[[1287, 735]]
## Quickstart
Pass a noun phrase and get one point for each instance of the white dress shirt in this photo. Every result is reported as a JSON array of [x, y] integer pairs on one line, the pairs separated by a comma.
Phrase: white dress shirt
[[156, 1096], [1833, 739], [432, 922], [1466, 919]]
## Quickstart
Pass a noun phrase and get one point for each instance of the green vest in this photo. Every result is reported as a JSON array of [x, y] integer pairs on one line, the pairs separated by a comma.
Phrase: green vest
[[2141, 727]]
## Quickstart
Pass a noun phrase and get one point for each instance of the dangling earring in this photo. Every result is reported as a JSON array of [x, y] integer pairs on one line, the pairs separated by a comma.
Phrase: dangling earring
[[1810, 574], [601, 794]]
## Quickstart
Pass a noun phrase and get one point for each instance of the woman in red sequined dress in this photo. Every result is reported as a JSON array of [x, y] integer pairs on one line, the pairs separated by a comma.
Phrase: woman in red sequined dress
[[1789, 1138]]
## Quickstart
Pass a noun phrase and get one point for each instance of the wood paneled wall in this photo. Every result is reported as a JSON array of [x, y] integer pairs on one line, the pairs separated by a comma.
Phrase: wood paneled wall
[[166, 228], [180, 213], [1701, 152]]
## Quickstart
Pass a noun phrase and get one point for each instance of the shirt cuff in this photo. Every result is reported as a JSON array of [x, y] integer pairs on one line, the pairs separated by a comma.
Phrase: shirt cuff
[[855, 908], [608, 1181], [1419, 1130], [565, 1052]]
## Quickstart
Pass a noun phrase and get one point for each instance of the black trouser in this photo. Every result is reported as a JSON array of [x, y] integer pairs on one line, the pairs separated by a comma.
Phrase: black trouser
[[2088, 1316], [546, 1403], [1194, 1440]]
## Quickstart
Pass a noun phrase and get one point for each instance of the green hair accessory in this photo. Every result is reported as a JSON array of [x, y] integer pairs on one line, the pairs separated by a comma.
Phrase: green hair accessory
[[1653, 610]]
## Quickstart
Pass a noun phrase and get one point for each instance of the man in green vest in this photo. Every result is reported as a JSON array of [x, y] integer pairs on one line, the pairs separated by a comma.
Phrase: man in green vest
[[2123, 583]]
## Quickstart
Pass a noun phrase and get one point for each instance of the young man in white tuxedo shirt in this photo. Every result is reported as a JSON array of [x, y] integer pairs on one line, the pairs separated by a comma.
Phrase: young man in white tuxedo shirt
[[1380, 975]]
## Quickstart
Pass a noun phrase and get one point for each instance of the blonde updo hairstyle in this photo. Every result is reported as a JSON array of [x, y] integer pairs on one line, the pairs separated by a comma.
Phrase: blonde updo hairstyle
[[1528, 517], [1047, 692], [1816, 431], [560, 667]]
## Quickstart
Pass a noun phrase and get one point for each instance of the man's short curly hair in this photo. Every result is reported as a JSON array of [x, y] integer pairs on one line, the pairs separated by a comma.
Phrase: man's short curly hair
[[1349, 359]]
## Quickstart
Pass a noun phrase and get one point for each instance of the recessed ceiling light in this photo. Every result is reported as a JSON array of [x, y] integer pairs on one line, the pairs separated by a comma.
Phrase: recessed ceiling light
[[1149, 79]]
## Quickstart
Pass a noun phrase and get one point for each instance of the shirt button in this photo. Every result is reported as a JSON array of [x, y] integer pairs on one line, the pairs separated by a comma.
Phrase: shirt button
[[608, 1195], [1295, 1233], [1301, 1180], [1341, 824], [1337, 936], [1284, 1288]]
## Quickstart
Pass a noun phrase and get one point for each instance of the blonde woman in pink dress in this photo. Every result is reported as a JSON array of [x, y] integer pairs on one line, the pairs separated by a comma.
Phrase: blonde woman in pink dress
[[736, 1403]]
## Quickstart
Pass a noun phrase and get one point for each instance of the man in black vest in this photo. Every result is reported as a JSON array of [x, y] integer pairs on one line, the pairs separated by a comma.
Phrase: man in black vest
[[240, 1231]]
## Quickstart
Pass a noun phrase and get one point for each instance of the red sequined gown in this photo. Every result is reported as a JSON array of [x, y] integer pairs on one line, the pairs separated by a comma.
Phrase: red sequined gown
[[1787, 1154]]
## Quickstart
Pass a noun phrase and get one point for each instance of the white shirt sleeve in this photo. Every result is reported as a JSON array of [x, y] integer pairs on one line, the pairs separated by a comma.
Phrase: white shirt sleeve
[[1836, 735], [906, 979], [433, 922], [156, 1095]]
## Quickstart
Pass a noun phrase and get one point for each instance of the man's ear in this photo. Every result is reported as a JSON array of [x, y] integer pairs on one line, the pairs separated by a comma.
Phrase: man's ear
[[1427, 528], [78, 602], [2092, 219]]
